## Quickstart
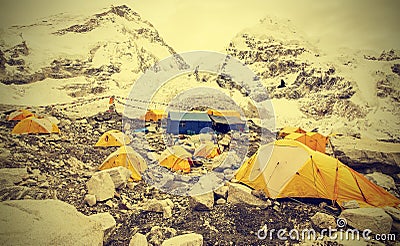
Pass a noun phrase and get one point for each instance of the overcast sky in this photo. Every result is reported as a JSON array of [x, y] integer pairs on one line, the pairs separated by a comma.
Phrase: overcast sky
[[211, 24]]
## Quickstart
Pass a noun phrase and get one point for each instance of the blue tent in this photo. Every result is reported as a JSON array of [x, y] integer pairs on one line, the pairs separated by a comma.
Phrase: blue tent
[[188, 123]]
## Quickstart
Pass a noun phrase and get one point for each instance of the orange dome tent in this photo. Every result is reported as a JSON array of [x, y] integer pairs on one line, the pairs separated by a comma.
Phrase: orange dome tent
[[155, 115], [290, 129], [35, 125], [20, 115], [288, 168], [113, 138], [176, 158], [313, 140], [125, 156]]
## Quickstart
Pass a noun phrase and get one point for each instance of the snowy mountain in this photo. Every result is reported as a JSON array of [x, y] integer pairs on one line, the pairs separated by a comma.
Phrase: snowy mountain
[[353, 91], [75, 55]]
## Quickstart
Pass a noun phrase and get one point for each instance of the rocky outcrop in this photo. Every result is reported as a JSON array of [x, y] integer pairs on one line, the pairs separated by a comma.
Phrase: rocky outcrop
[[101, 185], [356, 153], [374, 219], [322, 220], [47, 222], [240, 194], [107, 222], [382, 180], [202, 202], [119, 175]]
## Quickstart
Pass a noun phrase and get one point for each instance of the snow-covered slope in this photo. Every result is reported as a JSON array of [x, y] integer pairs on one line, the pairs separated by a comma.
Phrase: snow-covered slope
[[351, 92], [68, 55]]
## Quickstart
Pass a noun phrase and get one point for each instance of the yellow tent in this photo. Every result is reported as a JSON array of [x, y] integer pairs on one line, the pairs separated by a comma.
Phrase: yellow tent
[[154, 115], [288, 168], [290, 129], [35, 125], [125, 156], [223, 113], [20, 115], [313, 140], [176, 158], [113, 138], [207, 150]]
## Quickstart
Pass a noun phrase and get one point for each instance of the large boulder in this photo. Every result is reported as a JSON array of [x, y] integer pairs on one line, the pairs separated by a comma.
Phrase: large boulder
[[46, 222], [202, 202], [382, 180], [362, 152], [240, 194], [11, 176], [119, 175], [374, 219], [191, 239], [322, 220], [101, 185]]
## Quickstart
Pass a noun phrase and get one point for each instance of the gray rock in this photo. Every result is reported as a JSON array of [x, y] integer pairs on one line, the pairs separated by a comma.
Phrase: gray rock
[[394, 212], [240, 194], [90, 200], [159, 206], [158, 234], [101, 185], [46, 222], [350, 204], [374, 219], [119, 175], [202, 202], [138, 240], [4, 154], [11, 176], [207, 183], [323, 221], [107, 223], [222, 192], [191, 239], [382, 180]]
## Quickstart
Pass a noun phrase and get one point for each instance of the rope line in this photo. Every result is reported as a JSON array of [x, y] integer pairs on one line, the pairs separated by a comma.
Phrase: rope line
[[81, 102]]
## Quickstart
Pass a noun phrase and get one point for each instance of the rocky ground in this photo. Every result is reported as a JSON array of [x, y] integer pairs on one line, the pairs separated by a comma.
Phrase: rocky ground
[[59, 167]]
